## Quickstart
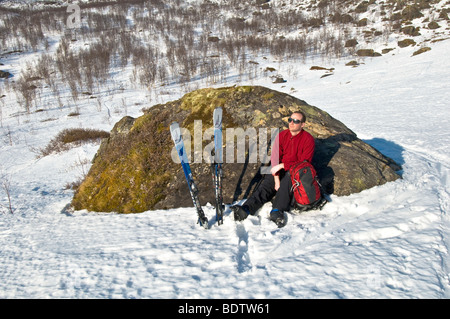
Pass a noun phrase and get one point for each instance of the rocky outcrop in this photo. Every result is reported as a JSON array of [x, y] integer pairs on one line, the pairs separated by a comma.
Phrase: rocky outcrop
[[134, 169]]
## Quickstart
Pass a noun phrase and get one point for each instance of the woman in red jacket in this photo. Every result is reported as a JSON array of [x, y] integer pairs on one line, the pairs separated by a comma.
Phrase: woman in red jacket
[[291, 146]]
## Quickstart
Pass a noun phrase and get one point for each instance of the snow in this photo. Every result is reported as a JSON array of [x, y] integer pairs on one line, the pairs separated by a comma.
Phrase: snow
[[390, 241]]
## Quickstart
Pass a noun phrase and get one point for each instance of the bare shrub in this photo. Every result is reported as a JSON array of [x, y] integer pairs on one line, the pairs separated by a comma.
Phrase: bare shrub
[[6, 185], [69, 138]]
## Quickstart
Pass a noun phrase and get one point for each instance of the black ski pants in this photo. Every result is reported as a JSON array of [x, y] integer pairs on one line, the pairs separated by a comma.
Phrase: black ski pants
[[266, 192]]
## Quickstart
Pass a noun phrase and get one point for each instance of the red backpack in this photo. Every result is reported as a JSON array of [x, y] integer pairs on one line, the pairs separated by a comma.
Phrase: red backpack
[[305, 186]]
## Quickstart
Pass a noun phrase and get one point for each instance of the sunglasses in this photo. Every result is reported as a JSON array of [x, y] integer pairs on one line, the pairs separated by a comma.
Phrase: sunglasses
[[294, 120]]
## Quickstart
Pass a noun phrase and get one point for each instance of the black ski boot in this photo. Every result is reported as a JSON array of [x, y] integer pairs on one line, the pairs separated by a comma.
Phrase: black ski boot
[[240, 212], [278, 217]]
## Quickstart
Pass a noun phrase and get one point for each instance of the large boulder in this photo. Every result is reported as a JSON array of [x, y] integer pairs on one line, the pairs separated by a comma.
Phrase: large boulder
[[135, 169]]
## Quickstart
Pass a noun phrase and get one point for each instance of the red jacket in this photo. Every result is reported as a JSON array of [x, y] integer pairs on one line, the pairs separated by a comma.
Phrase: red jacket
[[292, 149]]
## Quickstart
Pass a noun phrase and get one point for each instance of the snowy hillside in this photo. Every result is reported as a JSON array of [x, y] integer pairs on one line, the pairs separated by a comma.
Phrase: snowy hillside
[[390, 241]]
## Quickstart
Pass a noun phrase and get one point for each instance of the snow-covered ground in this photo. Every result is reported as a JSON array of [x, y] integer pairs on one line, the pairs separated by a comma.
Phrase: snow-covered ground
[[390, 241]]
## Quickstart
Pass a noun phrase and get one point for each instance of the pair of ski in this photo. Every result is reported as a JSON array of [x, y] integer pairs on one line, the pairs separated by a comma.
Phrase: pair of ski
[[216, 168]]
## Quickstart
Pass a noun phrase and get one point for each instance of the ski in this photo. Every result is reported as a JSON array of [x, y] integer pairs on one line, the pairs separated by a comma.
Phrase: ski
[[216, 165], [179, 145]]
